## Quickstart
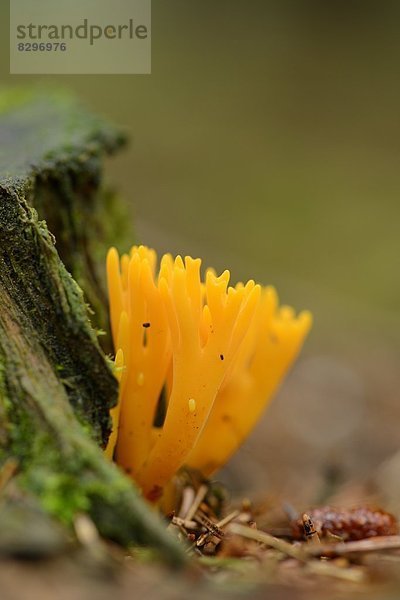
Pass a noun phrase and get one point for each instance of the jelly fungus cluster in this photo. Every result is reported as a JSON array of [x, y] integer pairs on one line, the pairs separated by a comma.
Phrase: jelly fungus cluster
[[208, 354]]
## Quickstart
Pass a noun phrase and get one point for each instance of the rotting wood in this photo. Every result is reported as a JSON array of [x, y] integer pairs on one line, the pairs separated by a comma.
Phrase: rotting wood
[[56, 385]]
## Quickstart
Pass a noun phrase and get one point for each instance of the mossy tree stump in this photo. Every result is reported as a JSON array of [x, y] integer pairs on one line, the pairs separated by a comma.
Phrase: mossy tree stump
[[56, 385]]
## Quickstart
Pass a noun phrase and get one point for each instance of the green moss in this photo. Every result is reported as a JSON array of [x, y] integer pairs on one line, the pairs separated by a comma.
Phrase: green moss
[[58, 494]]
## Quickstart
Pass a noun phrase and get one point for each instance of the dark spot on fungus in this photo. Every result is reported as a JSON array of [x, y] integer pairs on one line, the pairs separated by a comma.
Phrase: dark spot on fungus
[[161, 409], [221, 356], [146, 325]]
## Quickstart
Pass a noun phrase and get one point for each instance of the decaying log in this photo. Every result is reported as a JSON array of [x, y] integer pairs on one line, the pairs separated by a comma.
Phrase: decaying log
[[56, 386]]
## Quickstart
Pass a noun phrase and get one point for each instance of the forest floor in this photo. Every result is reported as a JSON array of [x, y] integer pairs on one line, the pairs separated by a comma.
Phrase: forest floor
[[247, 552]]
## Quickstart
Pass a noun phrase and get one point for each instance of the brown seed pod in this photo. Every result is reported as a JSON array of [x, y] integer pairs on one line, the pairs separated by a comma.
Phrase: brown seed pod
[[349, 524]]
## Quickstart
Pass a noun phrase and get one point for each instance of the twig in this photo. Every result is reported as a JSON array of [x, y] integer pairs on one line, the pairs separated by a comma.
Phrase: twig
[[212, 528], [389, 542], [187, 501], [316, 567], [228, 519], [184, 523], [269, 540], [354, 574], [205, 537], [201, 492]]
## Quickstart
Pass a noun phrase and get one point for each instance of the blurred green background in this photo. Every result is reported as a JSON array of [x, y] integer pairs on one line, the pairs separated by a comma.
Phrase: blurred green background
[[267, 140]]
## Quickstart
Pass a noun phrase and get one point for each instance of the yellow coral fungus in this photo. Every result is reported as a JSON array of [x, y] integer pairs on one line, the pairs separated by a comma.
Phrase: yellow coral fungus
[[219, 352]]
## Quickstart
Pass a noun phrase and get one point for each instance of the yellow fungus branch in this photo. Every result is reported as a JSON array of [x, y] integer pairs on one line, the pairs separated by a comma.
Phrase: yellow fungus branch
[[198, 371], [270, 346], [218, 351], [143, 335]]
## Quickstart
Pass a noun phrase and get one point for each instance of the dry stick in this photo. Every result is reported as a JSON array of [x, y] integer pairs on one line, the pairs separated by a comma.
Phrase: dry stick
[[269, 540], [188, 508], [206, 536], [212, 530], [203, 539], [184, 523], [187, 501], [206, 522], [228, 519], [354, 574], [388, 542], [201, 492]]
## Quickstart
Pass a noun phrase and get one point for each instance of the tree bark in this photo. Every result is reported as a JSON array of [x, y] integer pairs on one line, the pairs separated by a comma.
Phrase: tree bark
[[56, 386]]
